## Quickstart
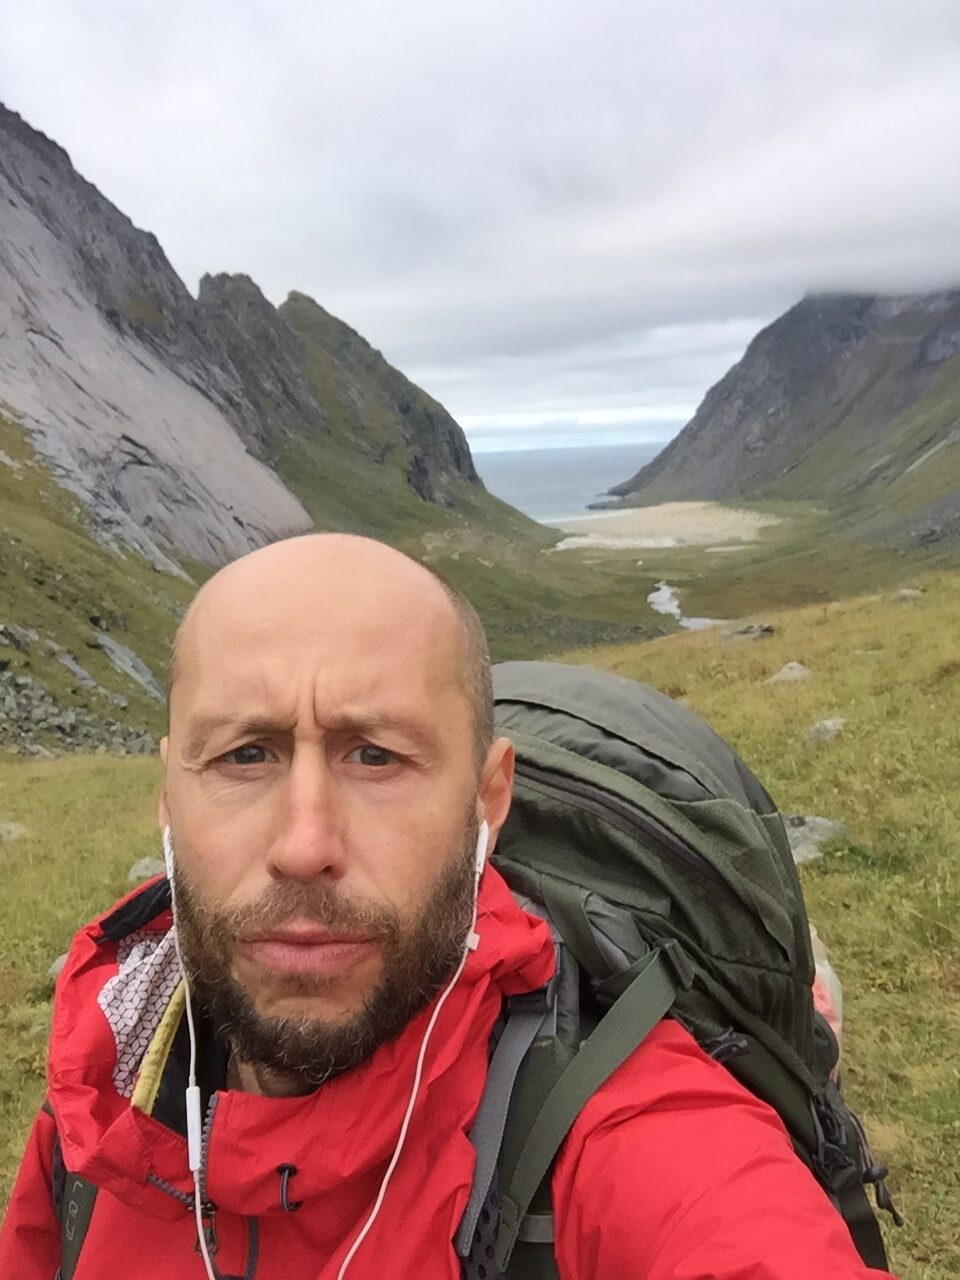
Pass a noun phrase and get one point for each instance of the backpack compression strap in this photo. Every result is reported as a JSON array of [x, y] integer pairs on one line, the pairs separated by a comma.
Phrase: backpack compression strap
[[653, 985], [525, 1018], [73, 1200]]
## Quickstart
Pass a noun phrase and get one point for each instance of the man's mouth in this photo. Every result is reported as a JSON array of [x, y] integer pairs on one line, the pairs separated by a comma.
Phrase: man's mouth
[[307, 948]]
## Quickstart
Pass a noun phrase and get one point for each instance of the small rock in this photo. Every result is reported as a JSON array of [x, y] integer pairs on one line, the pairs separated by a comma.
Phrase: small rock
[[792, 673], [905, 595], [57, 965], [808, 834], [825, 730], [144, 869], [19, 637], [12, 831], [751, 631]]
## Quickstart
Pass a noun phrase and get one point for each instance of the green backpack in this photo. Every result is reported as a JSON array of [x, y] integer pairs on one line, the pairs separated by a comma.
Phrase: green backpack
[[664, 869]]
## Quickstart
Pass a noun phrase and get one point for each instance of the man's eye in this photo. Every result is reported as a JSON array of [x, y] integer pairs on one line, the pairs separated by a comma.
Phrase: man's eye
[[249, 753], [372, 757]]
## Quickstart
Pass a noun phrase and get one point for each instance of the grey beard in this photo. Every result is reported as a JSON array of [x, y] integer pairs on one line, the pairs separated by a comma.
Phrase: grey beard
[[290, 1055]]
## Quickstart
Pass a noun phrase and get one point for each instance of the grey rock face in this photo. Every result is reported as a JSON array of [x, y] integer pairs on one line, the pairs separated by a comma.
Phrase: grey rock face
[[808, 834], [125, 660], [154, 408], [792, 673], [83, 677], [107, 363], [19, 637], [798, 381]]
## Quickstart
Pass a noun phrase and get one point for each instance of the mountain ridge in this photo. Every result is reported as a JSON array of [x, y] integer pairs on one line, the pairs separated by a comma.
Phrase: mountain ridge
[[841, 399], [168, 415]]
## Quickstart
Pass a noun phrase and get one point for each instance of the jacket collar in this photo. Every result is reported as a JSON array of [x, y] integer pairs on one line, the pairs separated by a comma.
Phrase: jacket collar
[[339, 1135]]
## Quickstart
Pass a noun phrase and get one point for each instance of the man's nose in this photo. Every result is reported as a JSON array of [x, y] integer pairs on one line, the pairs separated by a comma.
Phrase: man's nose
[[311, 840]]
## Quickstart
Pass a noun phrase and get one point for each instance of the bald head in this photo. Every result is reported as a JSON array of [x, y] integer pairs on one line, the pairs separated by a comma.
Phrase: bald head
[[365, 590]]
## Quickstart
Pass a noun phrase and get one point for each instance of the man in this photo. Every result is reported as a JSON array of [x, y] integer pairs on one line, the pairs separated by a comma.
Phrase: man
[[330, 779]]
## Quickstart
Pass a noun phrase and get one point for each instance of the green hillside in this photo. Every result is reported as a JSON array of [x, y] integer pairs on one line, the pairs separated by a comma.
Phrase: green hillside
[[887, 900], [55, 578], [63, 590]]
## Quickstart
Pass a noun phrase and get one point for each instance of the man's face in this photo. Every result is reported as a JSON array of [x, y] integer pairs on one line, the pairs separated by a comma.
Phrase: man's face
[[322, 791]]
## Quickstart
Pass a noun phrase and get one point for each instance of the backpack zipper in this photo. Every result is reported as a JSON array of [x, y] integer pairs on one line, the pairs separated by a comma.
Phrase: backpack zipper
[[629, 818]]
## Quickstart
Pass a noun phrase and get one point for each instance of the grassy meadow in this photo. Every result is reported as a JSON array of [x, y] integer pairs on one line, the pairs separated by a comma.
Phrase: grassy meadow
[[887, 903]]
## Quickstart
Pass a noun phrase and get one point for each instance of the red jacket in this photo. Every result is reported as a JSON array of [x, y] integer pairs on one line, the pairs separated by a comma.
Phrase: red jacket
[[672, 1172]]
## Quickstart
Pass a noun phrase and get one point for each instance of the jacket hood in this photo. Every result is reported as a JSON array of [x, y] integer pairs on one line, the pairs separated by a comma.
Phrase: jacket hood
[[118, 1009]]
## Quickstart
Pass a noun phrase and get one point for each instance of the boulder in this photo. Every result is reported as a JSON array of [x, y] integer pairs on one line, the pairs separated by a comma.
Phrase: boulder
[[20, 637], [792, 673], [825, 730], [145, 869], [808, 833], [905, 595], [12, 831]]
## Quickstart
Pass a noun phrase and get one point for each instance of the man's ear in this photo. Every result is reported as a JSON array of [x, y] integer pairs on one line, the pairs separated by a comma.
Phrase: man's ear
[[163, 812], [496, 788]]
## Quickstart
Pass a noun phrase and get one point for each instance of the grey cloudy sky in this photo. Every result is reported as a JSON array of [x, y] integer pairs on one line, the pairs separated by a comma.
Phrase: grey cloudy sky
[[563, 219]]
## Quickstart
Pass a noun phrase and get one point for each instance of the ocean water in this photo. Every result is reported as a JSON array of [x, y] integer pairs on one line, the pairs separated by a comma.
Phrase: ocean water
[[554, 484]]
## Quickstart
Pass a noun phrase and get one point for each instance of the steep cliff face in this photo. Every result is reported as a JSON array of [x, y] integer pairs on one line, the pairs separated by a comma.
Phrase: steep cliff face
[[369, 401], [105, 361], [192, 427], [328, 400], [842, 400]]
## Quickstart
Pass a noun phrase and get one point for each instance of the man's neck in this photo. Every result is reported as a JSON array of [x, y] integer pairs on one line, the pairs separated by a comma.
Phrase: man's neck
[[265, 1081]]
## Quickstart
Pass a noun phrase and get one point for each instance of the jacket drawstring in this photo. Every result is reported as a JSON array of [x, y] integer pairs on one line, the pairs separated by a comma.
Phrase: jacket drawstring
[[286, 1172]]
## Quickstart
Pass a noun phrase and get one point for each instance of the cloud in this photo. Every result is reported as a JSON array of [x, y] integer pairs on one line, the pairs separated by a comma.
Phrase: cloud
[[548, 210]]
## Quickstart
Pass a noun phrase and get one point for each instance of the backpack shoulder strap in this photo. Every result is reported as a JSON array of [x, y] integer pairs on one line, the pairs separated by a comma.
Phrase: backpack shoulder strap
[[73, 1200], [526, 1016], [650, 988]]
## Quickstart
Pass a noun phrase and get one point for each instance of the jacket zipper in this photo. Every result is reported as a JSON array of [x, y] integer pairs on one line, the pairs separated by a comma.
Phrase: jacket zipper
[[208, 1210], [629, 818]]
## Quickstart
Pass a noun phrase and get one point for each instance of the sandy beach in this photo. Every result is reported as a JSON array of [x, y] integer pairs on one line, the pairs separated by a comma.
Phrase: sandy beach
[[671, 524]]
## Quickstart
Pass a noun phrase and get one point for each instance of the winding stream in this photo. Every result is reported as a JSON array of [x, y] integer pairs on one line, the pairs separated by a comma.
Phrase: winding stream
[[664, 600]]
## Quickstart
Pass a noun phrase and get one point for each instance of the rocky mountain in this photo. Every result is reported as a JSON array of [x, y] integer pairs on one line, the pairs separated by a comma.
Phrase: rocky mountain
[[850, 401], [188, 427], [147, 436]]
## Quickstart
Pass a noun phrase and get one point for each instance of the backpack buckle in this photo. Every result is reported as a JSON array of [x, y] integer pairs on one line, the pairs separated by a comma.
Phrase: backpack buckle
[[540, 1001], [679, 963]]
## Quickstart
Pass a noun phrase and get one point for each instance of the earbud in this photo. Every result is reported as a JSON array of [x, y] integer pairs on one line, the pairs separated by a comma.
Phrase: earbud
[[483, 837], [168, 853]]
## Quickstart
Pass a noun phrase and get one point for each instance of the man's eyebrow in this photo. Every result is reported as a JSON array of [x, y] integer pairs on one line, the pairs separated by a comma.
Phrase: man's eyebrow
[[373, 723], [246, 726], [363, 724]]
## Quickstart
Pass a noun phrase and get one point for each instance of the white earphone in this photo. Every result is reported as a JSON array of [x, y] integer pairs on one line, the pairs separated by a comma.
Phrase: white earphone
[[192, 1093], [483, 838], [194, 1119]]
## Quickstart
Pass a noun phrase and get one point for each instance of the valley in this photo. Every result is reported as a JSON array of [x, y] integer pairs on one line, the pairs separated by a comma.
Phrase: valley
[[148, 436]]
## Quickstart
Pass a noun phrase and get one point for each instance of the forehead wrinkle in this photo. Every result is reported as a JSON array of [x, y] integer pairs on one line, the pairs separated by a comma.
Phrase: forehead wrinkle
[[269, 601]]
